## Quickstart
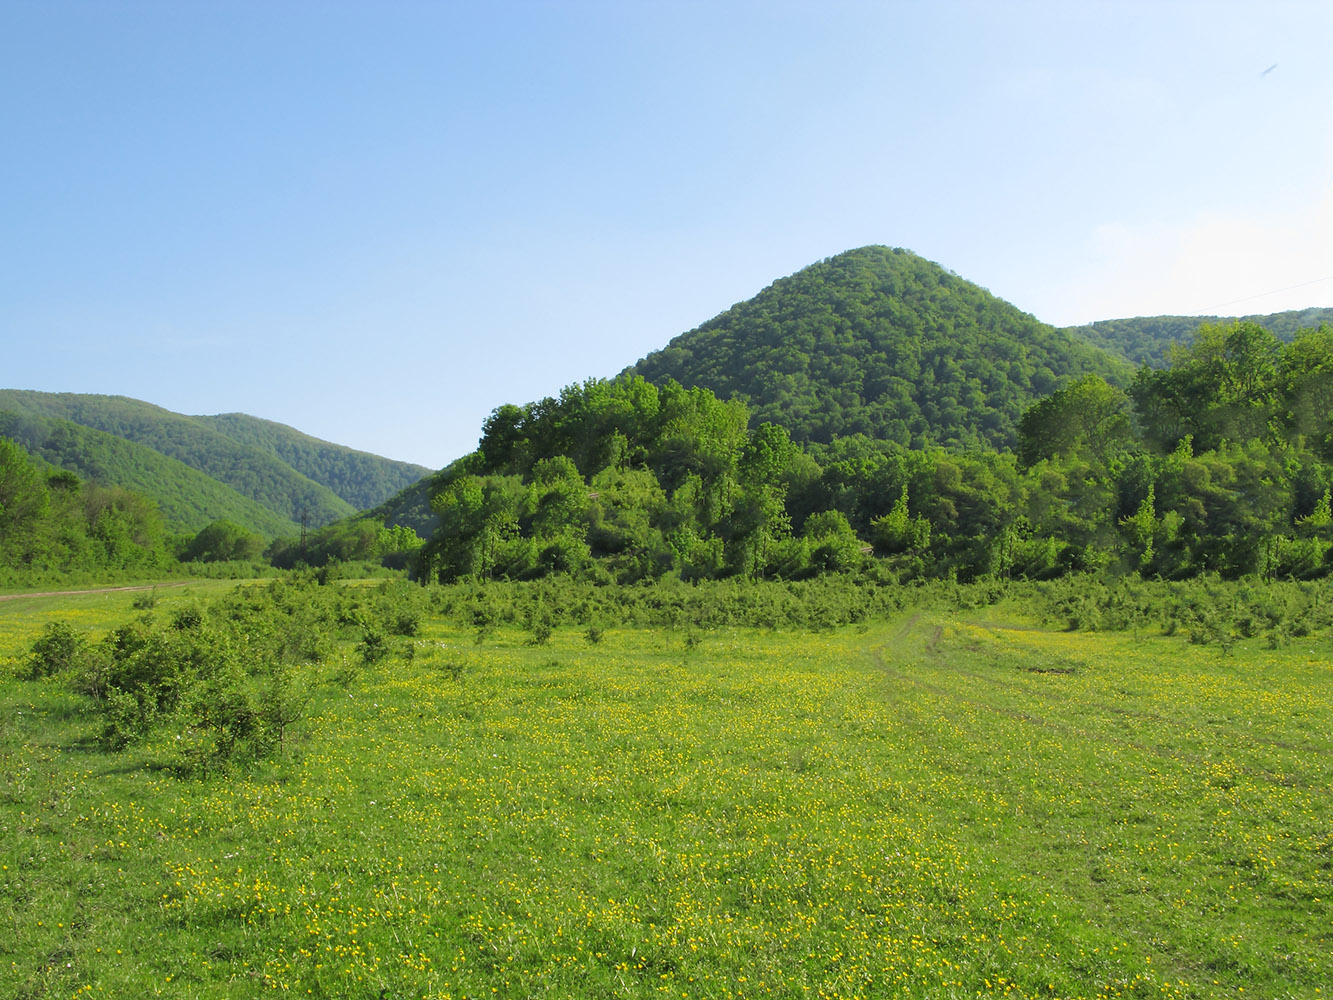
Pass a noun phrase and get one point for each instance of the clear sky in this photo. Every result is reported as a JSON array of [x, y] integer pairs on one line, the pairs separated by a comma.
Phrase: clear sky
[[378, 221]]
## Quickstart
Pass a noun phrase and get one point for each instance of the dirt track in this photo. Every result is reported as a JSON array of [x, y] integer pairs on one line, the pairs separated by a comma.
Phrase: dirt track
[[95, 590]]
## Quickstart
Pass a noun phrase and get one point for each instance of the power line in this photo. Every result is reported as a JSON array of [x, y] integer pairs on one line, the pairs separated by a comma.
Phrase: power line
[[1274, 291]]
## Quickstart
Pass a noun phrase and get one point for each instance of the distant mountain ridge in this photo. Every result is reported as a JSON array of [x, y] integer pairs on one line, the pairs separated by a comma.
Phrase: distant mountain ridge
[[410, 506], [881, 342], [243, 454], [188, 499], [358, 477], [1147, 339]]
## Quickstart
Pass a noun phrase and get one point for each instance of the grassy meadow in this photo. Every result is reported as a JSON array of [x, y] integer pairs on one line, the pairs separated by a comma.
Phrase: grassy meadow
[[946, 804]]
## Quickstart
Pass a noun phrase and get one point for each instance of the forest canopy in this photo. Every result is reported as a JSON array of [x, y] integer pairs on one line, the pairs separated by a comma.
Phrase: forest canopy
[[1218, 463], [50, 520], [884, 343]]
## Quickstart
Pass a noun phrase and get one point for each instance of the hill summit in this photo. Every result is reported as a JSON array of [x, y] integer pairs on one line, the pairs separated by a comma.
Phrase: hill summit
[[881, 342]]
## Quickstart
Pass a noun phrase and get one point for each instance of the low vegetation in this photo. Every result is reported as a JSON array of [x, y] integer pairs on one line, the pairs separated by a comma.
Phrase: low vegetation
[[707, 790]]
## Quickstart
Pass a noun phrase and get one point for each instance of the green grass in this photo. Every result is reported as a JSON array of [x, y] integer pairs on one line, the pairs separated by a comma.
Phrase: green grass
[[940, 806]]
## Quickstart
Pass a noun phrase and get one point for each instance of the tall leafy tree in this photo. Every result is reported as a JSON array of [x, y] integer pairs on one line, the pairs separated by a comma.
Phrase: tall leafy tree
[[1222, 387], [1088, 417], [478, 514], [23, 504], [1305, 381]]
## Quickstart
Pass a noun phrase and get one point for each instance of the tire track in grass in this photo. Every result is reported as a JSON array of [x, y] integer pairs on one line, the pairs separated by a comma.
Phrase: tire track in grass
[[1130, 713], [1065, 730]]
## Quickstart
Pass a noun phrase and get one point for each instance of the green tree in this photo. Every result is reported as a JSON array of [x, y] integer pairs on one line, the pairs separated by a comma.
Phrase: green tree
[[557, 499], [125, 526], [1305, 379], [23, 504], [478, 514], [697, 433], [1087, 417], [897, 531], [833, 544], [759, 513], [1222, 387], [624, 512], [222, 541]]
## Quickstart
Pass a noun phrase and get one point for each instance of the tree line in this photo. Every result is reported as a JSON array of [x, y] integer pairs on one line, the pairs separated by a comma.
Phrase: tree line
[[1217, 463], [55, 525], [50, 520], [1220, 462]]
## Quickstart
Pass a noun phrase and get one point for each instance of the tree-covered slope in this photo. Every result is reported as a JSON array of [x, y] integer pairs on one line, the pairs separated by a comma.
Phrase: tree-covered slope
[[250, 471], [52, 525], [1147, 339], [188, 499], [410, 506], [882, 342], [362, 479]]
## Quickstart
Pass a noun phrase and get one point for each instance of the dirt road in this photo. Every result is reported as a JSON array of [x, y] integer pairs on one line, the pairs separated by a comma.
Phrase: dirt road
[[95, 590]]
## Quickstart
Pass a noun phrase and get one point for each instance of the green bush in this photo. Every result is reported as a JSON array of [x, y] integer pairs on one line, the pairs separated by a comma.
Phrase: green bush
[[58, 649], [374, 645], [222, 683]]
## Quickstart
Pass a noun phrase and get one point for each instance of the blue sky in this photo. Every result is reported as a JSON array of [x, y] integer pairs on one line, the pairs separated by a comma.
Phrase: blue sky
[[378, 221]]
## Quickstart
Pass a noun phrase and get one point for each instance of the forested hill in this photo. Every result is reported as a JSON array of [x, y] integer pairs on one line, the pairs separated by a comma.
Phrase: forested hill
[[270, 464], [260, 475], [362, 479], [188, 500], [881, 342], [250, 471], [410, 506], [1147, 339]]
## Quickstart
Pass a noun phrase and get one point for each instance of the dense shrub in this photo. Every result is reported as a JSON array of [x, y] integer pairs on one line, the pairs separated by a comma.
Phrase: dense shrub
[[220, 682], [1208, 610], [59, 649]]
